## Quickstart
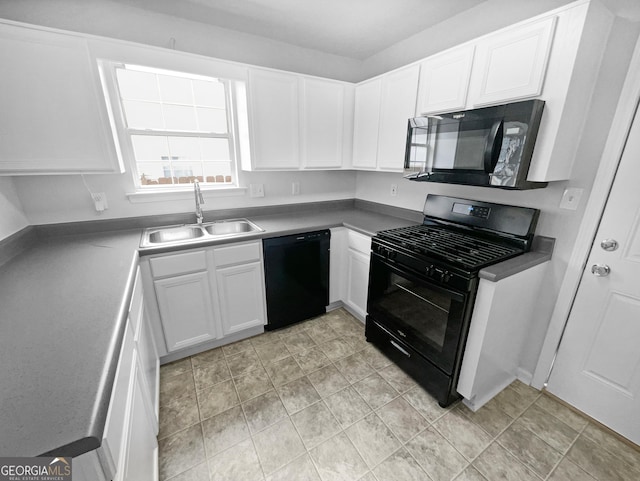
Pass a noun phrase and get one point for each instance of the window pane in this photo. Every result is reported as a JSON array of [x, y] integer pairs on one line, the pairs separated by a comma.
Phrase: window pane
[[217, 168], [137, 85], [154, 173], [212, 120], [184, 170], [178, 117], [143, 115], [146, 147], [184, 148], [215, 149], [175, 89], [209, 94]]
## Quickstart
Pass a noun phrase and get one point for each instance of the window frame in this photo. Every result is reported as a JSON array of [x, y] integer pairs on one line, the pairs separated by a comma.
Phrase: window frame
[[123, 133]]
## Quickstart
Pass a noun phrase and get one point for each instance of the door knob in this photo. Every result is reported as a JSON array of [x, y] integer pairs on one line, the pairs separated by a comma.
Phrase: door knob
[[600, 270], [609, 244]]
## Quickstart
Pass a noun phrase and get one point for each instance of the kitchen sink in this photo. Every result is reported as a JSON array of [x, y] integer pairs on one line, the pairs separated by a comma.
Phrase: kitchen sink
[[165, 235], [234, 226], [185, 234]]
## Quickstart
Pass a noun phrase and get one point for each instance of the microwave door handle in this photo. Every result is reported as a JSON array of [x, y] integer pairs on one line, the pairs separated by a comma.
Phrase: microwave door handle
[[493, 146]]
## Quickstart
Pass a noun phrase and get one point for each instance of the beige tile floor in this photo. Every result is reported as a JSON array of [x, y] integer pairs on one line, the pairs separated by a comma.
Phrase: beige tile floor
[[317, 402]]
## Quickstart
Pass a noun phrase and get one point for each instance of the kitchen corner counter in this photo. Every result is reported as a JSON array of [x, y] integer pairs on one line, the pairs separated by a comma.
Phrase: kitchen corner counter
[[540, 252], [63, 311]]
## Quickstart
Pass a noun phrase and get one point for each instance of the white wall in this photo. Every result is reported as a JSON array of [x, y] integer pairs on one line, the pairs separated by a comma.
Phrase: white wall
[[554, 222], [53, 199], [12, 216], [116, 20]]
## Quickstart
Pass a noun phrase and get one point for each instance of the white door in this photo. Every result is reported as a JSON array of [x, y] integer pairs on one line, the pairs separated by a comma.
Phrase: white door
[[322, 123], [398, 104], [273, 112], [186, 310], [444, 81], [597, 368], [366, 124], [242, 298]]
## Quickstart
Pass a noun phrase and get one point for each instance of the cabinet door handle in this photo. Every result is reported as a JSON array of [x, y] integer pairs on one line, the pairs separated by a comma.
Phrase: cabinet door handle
[[399, 348]]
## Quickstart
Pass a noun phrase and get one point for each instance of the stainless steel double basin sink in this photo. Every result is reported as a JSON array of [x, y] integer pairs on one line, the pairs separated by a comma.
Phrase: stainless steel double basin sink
[[185, 234]]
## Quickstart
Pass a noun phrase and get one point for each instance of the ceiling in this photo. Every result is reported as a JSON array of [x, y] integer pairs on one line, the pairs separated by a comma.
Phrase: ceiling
[[351, 28]]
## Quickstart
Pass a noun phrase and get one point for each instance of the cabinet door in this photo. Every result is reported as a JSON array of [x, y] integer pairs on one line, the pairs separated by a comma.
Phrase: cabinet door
[[273, 111], [150, 366], [242, 297], [366, 120], [322, 123], [357, 282], [444, 81], [399, 92], [337, 264], [186, 310], [54, 117], [141, 459], [510, 65]]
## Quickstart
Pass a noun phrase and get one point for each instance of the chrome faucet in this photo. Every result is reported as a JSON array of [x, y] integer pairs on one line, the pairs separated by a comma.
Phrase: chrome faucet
[[199, 200]]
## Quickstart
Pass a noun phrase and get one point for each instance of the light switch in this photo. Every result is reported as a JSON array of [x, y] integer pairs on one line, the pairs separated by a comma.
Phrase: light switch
[[571, 198], [295, 188]]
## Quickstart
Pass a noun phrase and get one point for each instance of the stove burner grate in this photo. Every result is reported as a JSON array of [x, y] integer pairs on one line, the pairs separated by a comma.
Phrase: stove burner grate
[[462, 249]]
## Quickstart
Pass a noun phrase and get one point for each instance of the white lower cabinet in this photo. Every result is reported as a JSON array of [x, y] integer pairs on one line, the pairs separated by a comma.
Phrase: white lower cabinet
[[141, 458], [204, 295], [186, 309], [350, 256], [240, 286], [241, 294]]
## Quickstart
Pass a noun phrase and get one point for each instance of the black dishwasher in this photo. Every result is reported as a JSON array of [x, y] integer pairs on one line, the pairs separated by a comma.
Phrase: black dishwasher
[[296, 269]]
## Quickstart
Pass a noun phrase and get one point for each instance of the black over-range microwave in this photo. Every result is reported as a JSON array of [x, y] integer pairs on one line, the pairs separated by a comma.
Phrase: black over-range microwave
[[490, 147]]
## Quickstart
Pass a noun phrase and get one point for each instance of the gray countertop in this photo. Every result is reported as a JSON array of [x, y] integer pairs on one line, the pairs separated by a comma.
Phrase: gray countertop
[[63, 308]]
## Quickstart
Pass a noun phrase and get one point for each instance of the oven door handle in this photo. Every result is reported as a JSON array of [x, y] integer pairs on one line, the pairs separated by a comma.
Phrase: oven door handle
[[400, 348], [422, 298]]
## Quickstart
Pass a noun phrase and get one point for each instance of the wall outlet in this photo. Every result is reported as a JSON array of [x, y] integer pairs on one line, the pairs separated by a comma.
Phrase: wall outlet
[[256, 190], [295, 188], [571, 198], [100, 201], [394, 190]]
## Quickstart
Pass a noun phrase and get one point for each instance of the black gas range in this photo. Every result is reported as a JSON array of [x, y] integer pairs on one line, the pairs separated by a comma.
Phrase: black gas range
[[423, 281]]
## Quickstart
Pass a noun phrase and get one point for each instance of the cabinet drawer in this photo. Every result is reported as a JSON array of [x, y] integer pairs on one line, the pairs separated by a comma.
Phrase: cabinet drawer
[[178, 264], [237, 253], [359, 242]]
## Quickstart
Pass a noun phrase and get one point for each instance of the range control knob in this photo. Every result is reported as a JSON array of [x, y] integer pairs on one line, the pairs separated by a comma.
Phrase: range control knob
[[445, 276], [430, 270]]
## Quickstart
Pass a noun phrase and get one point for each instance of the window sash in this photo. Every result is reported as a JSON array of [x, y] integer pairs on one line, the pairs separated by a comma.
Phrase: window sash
[[223, 179]]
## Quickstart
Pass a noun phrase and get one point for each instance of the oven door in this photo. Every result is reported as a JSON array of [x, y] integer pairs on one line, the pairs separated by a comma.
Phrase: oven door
[[429, 318]]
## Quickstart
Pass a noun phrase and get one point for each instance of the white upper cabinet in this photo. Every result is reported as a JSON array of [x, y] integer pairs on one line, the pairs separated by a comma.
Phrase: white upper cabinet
[[54, 116], [511, 64], [383, 107], [444, 81], [399, 91], [366, 123], [273, 119], [323, 122], [298, 121]]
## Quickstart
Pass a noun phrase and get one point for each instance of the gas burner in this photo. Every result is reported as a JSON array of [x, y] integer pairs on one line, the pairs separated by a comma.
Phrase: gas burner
[[463, 249]]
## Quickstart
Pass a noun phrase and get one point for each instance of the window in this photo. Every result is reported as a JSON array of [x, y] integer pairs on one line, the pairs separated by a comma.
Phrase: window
[[175, 127]]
